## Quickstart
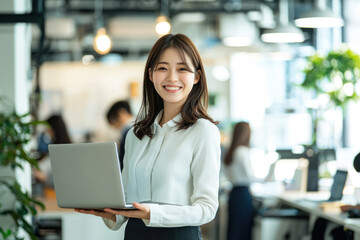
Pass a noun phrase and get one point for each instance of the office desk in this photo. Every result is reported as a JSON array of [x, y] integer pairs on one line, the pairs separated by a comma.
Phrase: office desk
[[272, 195], [77, 226], [328, 211]]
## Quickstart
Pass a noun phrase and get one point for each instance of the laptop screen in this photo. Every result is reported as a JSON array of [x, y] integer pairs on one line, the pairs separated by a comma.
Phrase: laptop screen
[[338, 185]]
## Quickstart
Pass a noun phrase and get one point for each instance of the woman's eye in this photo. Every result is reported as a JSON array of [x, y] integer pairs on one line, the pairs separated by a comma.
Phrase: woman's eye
[[183, 69], [162, 68]]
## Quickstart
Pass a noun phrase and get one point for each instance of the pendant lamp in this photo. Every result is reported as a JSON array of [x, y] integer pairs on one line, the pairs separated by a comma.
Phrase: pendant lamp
[[284, 32], [319, 17]]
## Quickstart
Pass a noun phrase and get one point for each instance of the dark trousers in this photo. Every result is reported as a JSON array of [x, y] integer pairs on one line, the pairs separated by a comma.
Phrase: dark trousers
[[136, 230], [240, 214]]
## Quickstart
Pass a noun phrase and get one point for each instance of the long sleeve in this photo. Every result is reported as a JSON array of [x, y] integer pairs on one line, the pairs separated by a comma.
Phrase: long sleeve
[[120, 220], [205, 169], [240, 172], [243, 158]]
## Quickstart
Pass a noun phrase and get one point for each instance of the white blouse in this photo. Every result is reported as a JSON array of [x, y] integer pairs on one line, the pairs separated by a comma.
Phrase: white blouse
[[177, 171], [240, 171]]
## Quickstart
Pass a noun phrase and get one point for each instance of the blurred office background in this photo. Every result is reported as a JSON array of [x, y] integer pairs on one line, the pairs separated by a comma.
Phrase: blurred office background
[[50, 65]]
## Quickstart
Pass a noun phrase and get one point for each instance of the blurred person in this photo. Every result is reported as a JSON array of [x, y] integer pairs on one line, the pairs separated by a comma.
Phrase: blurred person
[[238, 169], [55, 133], [120, 117]]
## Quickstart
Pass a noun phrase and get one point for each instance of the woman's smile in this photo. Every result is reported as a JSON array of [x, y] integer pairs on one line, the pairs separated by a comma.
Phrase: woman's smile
[[172, 88]]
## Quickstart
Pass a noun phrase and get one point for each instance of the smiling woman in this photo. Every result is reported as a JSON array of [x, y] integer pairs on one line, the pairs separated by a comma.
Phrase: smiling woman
[[172, 154], [173, 80]]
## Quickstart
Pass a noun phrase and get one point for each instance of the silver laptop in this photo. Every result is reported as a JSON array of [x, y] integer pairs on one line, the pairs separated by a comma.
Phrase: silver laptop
[[87, 176]]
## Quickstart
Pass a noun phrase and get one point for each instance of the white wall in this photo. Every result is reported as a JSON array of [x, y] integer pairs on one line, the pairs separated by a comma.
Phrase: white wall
[[257, 86], [83, 94]]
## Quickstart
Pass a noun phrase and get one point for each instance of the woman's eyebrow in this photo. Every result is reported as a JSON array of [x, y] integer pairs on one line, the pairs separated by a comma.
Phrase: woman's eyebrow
[[179, 63]]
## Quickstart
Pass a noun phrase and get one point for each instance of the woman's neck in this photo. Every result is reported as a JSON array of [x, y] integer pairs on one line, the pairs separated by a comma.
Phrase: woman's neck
[[169, 113]]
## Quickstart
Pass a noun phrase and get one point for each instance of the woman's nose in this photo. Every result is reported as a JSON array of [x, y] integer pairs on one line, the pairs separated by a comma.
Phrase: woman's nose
[[173, 76]]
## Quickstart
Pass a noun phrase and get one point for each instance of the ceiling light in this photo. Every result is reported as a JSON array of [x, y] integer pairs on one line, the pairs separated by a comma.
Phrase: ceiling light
[[102, 42], [284, 32], [236, 30], [162, 25], [319, 17]]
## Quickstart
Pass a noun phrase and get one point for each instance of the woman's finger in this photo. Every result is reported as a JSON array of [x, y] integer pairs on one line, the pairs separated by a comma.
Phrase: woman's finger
[[141, 211], [139, 206], [118, 212], [126, 213], [98, 213], [92, 212]]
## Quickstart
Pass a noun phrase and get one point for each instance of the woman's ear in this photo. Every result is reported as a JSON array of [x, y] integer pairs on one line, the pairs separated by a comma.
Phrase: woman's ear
[[197, 77], [150, 74]]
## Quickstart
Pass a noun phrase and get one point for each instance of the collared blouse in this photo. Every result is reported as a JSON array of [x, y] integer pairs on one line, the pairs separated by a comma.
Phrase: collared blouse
[[240, 171], [176, 172]]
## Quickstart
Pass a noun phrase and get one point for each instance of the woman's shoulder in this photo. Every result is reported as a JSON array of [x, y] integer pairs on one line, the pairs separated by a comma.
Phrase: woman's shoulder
[[204, 126], [130, 135], [133, 142], [205, 123]]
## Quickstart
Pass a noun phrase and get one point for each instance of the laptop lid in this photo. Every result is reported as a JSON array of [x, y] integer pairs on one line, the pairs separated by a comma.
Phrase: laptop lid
[[338, 185], [87, 175]]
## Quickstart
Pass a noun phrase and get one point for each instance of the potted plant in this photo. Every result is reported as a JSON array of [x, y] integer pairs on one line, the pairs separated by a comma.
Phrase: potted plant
[[335, 77], [334, 80], [15, 203]]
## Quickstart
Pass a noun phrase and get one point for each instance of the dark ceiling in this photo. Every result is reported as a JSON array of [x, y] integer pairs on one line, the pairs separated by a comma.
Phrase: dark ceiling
[[85, 12]]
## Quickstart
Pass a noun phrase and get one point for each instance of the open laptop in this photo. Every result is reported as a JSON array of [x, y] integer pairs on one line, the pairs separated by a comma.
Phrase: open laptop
[[336, 192], [87, 176]]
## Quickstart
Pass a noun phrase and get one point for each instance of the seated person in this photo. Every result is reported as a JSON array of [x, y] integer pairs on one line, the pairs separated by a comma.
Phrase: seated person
[[119, 117], [56, 133]]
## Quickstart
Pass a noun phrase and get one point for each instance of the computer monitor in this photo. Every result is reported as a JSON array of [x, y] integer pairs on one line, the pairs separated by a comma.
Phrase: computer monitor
[[315, 157], [338, 185]]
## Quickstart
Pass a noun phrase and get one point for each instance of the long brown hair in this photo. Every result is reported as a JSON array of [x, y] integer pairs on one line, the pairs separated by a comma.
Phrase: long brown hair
[[197, 101], [241, 137], [58, 126]]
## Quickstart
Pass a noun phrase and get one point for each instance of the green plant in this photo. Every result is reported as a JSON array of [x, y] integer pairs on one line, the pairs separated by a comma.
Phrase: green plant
[[336, 75], [15, 134]]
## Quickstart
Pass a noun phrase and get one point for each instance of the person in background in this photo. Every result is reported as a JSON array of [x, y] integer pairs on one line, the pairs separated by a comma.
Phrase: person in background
[[120, 117], [172, 154], [238, 169], [55, 133]]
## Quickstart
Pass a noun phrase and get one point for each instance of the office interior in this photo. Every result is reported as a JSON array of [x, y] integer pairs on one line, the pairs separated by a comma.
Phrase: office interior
[[50, 65]]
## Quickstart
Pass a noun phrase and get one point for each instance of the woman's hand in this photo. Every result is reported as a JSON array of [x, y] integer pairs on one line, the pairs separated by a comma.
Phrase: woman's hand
[[142, 211], [98, 213]]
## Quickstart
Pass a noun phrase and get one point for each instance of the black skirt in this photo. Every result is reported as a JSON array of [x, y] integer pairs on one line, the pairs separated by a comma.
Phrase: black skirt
[[137, 230], [240, 214]]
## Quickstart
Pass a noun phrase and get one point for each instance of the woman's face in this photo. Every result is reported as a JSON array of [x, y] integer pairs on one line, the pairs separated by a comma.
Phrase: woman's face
[[173, 79]]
